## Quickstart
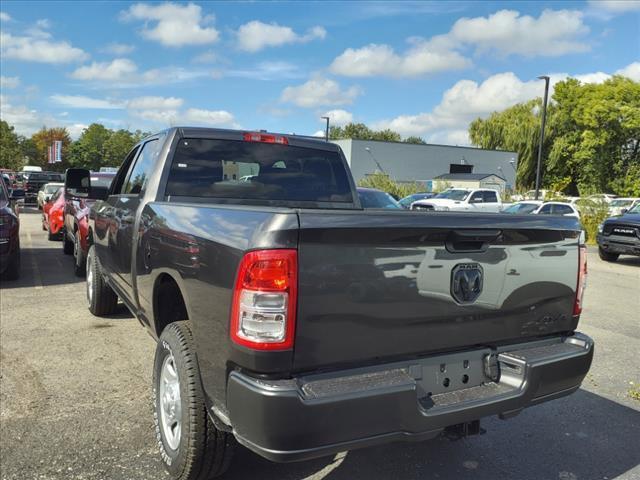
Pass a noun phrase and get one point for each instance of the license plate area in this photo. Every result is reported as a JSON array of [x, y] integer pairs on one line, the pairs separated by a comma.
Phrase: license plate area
[[449, 373]]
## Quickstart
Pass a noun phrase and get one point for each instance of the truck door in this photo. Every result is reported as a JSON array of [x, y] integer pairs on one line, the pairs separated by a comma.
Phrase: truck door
[[126, 213], [491, 203], [476, 201], [106, 224]]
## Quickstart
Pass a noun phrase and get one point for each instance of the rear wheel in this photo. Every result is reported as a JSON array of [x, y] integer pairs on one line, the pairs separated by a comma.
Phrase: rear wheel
[[191, 447], [80, 266], [102, 299], [607, 256], [67, 245]]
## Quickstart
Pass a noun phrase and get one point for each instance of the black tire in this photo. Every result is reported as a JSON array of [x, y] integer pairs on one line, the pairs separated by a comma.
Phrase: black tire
[[202, 452], [67, 246], [607, 256], [80, 262], [102, 299], [12, 271]]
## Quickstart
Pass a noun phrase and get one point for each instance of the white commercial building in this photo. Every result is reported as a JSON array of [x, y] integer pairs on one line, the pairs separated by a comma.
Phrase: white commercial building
[[407, 162]]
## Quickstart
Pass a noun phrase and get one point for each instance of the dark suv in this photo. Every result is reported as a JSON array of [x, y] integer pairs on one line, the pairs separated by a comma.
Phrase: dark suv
[[9, 230], [34, 181], [620, 235]]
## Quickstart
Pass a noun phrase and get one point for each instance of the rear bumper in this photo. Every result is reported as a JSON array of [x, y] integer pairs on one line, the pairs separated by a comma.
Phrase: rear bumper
[[618, 244], [313, 416]]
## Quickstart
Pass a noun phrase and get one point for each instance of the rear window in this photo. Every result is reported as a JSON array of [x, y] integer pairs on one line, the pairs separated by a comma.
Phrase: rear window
[[257, 171]]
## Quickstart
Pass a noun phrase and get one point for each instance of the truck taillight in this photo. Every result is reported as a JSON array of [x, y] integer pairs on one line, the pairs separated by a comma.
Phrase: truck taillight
[[582, 279], [263, 312]]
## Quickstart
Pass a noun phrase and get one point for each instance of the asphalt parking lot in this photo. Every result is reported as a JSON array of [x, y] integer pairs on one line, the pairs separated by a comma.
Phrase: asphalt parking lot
[[75, 395]]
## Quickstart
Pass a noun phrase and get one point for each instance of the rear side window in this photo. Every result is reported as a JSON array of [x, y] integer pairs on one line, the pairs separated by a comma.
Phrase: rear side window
[[562, 210], [546, 210], [490, 197], [257, 171]]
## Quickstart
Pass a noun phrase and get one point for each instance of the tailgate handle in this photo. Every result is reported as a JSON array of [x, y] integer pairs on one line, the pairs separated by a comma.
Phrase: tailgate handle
[[471, 240]]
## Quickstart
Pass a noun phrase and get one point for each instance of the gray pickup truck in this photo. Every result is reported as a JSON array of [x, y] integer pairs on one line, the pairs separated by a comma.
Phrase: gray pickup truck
[[292, 321]]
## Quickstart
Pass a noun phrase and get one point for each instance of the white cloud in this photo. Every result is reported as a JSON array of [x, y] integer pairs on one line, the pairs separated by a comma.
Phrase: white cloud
[[319, 133], [80, 101], [554, 33], [124, 73], [5, 17], [105, 71], [255, 35], [176, 25], [631, 71], [506, 32], [39, 48], [319, 92], [76, 129], [267, 70], [206, 57], [9, 82], [119, 49], [615, 6], [191, 116], [339, 117], [156, 103], [208, 117], [422, 58], [467, 100]]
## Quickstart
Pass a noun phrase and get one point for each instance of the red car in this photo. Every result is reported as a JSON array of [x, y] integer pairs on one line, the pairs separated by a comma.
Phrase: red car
[[76, 212], [52, 215]]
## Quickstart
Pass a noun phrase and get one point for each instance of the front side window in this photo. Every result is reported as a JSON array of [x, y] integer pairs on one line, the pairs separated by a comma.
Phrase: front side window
[[212, 168], [141, 171]]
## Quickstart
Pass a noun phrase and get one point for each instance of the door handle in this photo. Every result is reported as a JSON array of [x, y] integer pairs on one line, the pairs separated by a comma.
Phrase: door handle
[[459, 241]]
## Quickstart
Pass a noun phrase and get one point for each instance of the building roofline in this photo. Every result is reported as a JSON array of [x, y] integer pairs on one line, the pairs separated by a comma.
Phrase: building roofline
[[426, 144]]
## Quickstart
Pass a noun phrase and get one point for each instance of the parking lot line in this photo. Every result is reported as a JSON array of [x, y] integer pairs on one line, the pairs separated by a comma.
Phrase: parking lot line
[[36, 271]]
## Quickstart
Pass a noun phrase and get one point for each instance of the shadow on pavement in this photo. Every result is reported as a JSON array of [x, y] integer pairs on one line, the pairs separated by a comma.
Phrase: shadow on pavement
[[43, 267], [584, 436]]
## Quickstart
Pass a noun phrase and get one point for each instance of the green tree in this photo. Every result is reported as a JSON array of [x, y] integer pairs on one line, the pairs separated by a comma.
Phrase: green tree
[[88, 150], [416, 140], [382, 181], [592, 137], [11, 155], [117, 146]]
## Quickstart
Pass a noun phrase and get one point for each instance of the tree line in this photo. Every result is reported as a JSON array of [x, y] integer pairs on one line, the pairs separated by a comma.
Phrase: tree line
[[592, 138], [96, 147]]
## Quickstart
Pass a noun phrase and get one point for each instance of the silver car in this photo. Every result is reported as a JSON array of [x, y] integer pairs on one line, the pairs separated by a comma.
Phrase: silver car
[[45, 193]]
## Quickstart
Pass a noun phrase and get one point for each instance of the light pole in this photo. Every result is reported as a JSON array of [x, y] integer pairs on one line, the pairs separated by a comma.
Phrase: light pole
[[326, 132], [544, 119], [375, 160]]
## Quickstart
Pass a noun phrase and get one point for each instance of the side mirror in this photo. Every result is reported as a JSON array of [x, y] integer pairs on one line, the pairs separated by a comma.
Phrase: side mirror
[[623, 211], [77, 182], [477, 200], [16, 194]]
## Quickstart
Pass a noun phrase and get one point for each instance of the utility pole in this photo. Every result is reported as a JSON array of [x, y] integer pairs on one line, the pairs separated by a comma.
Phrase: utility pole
[[326, 132], [544, 119]]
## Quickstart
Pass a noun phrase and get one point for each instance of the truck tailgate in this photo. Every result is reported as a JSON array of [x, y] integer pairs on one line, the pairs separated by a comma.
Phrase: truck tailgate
[[374, 286]]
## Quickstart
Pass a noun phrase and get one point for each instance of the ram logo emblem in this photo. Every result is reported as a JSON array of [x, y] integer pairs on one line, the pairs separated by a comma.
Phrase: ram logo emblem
[[466, 282]]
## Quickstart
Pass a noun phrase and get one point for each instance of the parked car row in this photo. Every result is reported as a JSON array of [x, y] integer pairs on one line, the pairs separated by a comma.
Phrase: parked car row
[[10, 199]]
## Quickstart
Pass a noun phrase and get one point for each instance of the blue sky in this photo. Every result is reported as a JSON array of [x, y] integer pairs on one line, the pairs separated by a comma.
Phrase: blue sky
[[420, 68]]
